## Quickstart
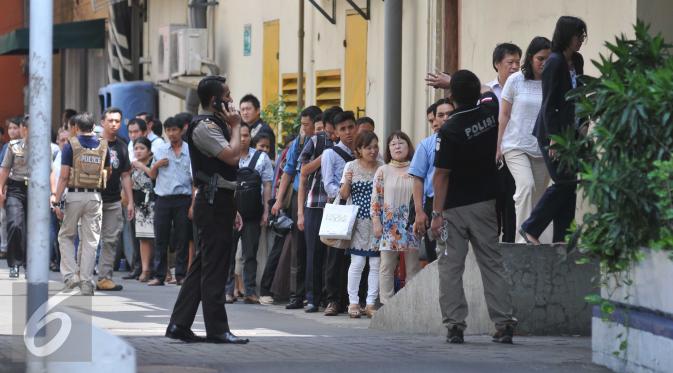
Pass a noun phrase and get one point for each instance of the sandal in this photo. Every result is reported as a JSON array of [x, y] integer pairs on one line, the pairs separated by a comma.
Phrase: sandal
[[354, 311], [144, 276], [524, 234]]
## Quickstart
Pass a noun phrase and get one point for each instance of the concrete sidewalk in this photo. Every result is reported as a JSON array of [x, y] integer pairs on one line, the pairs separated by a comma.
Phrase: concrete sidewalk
[[293, 341]]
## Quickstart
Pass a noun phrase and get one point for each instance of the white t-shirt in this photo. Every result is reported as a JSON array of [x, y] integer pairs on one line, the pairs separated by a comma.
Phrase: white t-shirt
[[526, 98]]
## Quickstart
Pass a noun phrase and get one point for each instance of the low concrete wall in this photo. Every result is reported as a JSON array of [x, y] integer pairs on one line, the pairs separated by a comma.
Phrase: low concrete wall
[[547, 289], [646, 307]]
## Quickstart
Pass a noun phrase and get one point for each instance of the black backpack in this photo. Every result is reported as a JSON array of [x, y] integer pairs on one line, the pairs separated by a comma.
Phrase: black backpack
[[249, 190]]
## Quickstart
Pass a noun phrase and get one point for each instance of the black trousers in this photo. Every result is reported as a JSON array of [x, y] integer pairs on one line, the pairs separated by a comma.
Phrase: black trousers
[[15, 208], [207, 276], [271, 264], [430, 245], [249, 235], [336, 275], [170, 213], [298, 262], [315, 255], [504, 205], [557, 204]]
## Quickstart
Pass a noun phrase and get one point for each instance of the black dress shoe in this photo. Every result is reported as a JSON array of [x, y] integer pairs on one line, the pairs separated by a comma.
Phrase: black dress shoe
[[295, 304], [132, 276], [226, 337], [311, 308], [184, 334]]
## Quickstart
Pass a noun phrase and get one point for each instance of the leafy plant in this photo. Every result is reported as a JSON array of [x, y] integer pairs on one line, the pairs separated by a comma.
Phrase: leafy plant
[[625, 168], [283, 122]]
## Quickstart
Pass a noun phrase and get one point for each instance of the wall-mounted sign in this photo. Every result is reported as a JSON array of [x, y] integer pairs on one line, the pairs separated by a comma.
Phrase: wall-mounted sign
[[247, 39]]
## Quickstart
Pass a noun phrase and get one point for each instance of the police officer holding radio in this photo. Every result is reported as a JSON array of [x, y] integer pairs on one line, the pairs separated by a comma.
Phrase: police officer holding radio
[[214, 147], [14, 174]]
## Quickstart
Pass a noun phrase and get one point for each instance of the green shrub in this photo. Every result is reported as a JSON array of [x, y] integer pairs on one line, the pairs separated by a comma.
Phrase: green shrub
[[625, 171]]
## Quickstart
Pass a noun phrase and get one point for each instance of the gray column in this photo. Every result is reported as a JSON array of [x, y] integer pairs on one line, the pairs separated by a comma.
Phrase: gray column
[[392, 67], [39, 157]]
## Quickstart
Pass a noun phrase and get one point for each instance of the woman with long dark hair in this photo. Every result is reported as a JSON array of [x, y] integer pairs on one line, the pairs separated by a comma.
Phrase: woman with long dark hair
[[556, 117], [519, 108]]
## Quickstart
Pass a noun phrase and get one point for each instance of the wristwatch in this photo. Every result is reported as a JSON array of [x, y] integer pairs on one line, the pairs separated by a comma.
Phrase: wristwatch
[[436, 214]]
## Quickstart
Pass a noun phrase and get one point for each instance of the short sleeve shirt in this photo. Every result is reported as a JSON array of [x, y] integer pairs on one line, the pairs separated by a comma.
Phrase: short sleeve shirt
[[16, 159], [89, 142], [209, 138], [120, 163], [263, 165], [466, 146], [423, 164], [525, 95]]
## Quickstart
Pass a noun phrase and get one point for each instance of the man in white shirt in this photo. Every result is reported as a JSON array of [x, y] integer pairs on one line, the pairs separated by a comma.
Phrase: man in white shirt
[[506, 61]]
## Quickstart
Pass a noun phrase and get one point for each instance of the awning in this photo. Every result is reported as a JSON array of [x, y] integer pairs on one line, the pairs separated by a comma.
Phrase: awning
[[73, 35]]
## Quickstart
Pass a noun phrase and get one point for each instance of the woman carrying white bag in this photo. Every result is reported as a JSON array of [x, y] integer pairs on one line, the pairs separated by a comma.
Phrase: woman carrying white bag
[[356, 184]]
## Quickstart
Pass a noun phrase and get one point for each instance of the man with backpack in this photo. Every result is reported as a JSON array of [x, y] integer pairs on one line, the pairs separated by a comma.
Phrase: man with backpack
[[291, 175], [253, 191], [312, 197], [332, 165]]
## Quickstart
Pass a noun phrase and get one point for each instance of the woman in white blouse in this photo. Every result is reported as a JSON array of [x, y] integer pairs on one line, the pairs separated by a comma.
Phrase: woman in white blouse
[[519, 108]]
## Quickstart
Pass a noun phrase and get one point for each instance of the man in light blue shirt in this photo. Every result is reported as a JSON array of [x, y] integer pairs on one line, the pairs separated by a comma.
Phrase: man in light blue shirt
[[422, 169], [173, 172]]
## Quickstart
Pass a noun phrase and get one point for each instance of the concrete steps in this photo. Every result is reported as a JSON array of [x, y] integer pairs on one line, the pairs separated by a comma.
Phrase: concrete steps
[[547, 289]]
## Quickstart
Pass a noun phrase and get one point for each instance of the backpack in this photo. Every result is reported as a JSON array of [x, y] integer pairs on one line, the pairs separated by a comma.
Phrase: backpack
[[248, 197]]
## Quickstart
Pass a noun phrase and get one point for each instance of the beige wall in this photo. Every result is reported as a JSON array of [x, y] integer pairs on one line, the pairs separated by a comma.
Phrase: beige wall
[[485, 23], [323, 49], [658, 14]]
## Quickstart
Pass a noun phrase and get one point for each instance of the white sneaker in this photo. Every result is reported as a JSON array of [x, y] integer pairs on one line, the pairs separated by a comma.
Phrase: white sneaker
[[266, 300]]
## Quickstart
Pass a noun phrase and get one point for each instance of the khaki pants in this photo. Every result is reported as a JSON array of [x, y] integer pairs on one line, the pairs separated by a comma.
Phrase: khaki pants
[[532, 179], [387, 272], [477, 225], [111, 229], [86, 209]]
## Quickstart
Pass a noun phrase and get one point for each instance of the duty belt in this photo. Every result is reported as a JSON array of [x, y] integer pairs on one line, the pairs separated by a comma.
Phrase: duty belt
[[212, 183]]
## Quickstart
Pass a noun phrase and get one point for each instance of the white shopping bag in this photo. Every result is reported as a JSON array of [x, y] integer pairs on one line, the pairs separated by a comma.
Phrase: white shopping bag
[[338, 221]]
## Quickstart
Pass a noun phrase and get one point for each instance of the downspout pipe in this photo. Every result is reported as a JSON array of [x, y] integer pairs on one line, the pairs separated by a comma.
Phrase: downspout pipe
[[300, 70], [392, 67]]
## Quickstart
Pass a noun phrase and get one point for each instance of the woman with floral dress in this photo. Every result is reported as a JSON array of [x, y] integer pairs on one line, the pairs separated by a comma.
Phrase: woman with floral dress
[[391, 198], [143, 198], [356, 183]]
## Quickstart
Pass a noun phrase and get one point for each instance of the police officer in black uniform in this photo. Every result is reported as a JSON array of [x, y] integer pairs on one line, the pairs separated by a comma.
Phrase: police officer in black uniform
[[214, 147]]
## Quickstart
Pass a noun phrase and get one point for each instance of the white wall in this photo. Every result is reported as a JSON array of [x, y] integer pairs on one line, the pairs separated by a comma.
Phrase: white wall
[[485, 23]]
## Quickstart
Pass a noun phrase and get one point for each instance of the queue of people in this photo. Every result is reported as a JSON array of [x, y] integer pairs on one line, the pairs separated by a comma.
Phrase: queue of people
[[214, 180]]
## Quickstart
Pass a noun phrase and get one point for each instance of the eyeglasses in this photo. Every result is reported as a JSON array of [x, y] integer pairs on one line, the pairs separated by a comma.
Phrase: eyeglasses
[[582, 37]]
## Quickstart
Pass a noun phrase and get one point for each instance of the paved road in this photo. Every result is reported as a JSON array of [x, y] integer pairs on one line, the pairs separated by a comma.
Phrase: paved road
[[293, 341]]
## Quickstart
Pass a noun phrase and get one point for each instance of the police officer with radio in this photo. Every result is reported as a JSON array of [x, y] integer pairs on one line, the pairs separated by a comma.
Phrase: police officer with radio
[[214, 147], [14, 175], [85, 166]]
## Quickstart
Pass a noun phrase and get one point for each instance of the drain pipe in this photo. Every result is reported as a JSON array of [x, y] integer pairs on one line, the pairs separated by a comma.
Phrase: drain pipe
[[392, 67], [300, 73]]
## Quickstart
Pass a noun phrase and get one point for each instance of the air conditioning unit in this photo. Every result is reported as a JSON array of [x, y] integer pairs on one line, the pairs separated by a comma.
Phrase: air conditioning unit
[[165, 46], [191, 49]]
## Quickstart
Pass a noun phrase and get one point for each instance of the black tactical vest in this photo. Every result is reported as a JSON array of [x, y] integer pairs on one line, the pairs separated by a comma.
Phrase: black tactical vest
[[204, 163]]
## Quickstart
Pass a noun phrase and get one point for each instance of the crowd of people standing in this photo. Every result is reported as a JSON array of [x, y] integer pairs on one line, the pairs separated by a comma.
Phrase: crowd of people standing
[[482, 176]]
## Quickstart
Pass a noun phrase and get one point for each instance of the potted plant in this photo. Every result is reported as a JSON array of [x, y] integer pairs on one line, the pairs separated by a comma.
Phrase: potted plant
[[626, 175]]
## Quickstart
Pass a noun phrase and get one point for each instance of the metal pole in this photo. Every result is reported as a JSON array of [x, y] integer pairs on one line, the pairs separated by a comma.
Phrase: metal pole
[[300, 74], [392, 67], [39, 153]]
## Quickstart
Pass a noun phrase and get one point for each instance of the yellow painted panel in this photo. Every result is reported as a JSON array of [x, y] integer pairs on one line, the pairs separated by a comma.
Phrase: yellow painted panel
[[270, 55], [355, 69]]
